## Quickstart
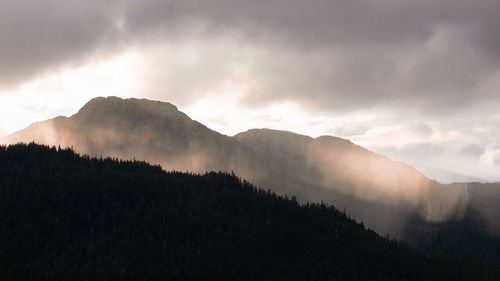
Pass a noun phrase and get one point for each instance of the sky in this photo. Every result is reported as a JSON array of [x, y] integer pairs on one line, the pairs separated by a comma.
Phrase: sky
[[418, 81]]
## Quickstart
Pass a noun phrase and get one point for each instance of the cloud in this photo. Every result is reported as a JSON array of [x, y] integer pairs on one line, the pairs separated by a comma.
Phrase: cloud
[[497, 160], [472, 150], [394, 72], [430, 56], [316, 23], [329, 54], [38, 36]]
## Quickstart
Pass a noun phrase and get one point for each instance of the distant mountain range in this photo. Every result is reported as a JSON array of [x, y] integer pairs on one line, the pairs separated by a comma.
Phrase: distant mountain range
[[387, 196]]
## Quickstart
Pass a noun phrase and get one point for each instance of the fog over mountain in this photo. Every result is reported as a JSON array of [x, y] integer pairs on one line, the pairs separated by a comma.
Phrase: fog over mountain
[[372, 188]]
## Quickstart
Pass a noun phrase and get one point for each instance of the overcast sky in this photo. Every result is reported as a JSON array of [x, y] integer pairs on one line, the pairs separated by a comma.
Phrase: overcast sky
[[418, 81]]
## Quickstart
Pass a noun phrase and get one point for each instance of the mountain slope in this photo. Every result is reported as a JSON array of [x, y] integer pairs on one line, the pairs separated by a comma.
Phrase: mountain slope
[[68, 214], [388, 196], [381, 192]]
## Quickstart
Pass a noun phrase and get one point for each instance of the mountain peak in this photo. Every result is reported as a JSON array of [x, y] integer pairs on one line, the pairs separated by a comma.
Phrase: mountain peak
[[271, 134], [116, 105], [333, 139]]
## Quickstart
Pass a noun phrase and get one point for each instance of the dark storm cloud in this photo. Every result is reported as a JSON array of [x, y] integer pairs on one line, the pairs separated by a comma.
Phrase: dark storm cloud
[[334, 54], [319, 23], [37, 35]]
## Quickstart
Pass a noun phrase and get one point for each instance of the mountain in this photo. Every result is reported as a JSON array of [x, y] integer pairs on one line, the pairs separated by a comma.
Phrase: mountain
[[148, 130], [313, 170], [66, 217], [387, 196], [372, 187]]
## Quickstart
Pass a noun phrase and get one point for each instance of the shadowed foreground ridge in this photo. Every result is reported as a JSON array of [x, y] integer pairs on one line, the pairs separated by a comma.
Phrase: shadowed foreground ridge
[[65, 215]]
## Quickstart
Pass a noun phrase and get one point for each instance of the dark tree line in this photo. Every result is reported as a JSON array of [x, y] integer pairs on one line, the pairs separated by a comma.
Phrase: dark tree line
[[70, 217]]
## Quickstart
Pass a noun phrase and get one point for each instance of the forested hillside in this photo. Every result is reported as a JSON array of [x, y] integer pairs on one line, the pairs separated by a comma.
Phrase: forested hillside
[[69, 217]]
